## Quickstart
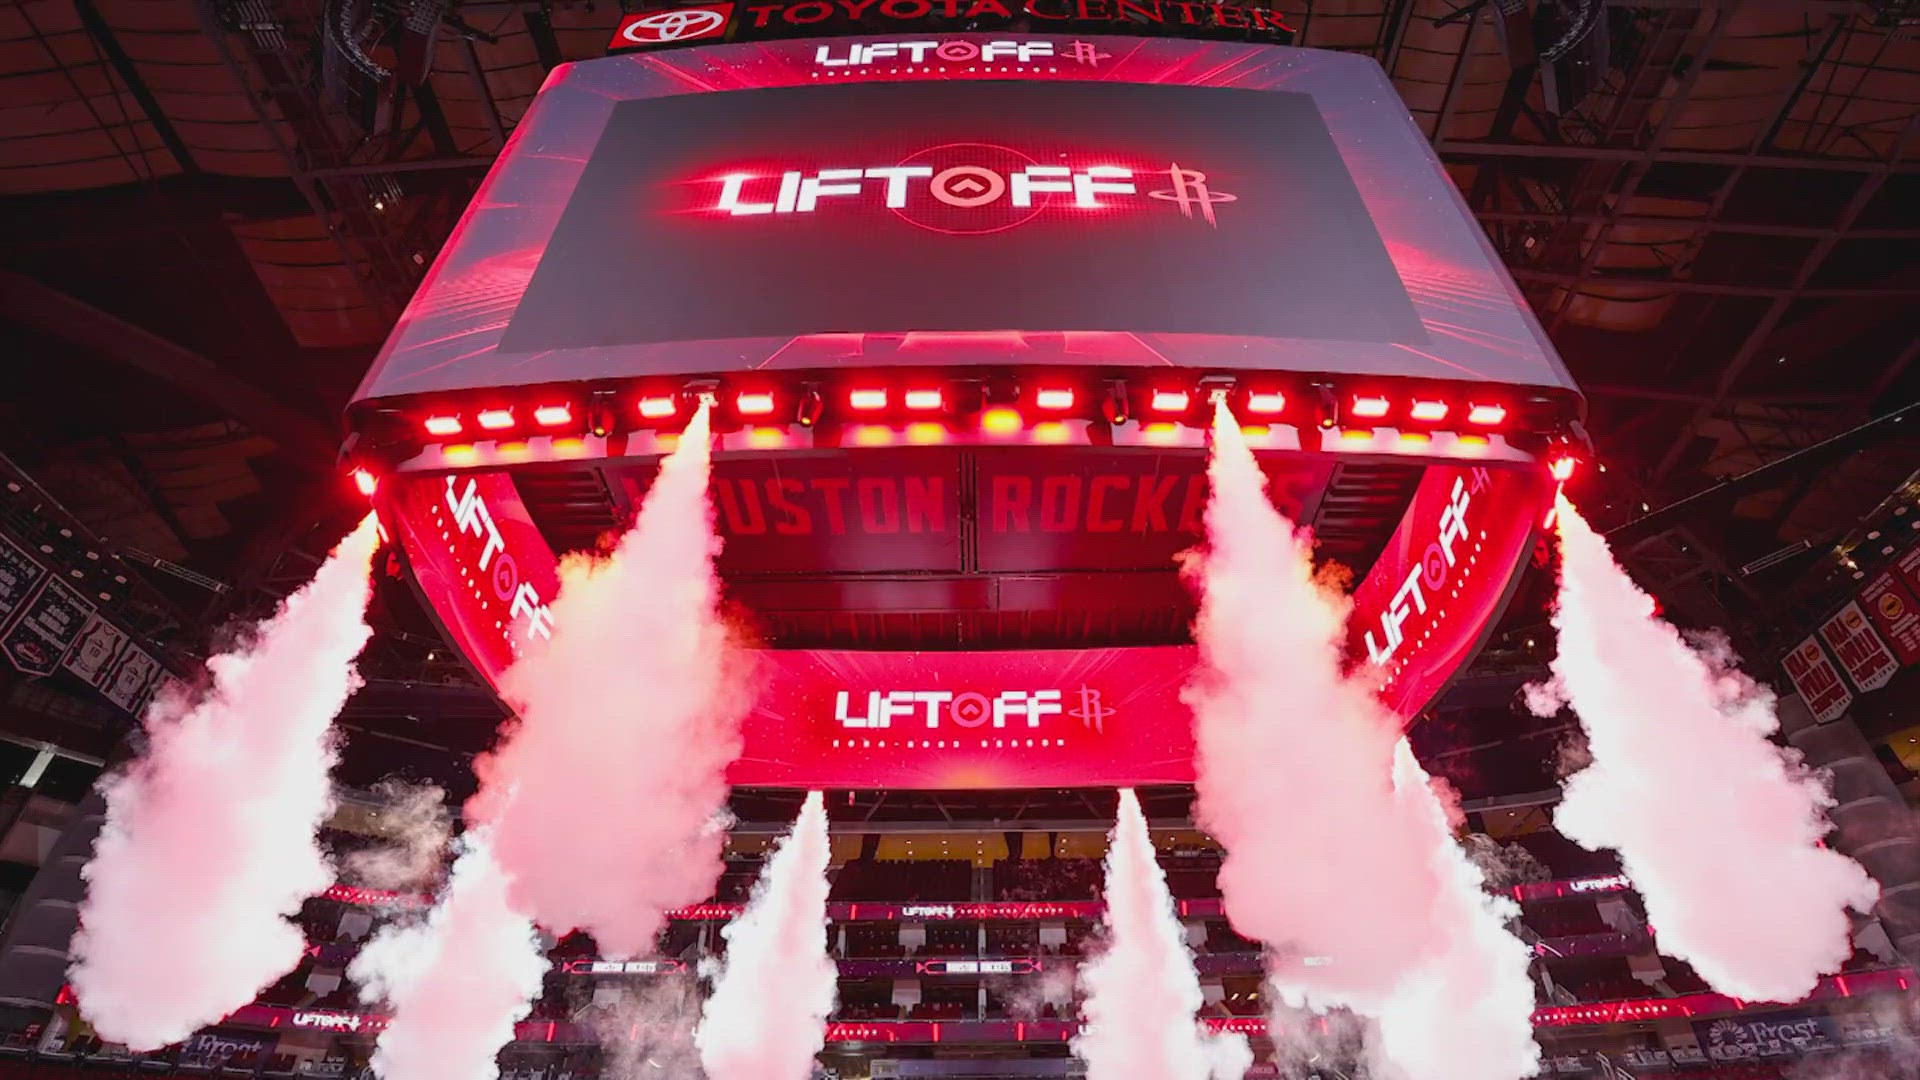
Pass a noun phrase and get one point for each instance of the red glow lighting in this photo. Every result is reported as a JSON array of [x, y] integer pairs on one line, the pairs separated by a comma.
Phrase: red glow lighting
[[495, 419], [444, 425], [1562, 468], [1053, 398], [868, 400], [659, 408], [1171, 400], [919, 400], [1430, 412], [366, 482], [552, 415], [1369, 408], [1266, 403], [1486, 415], [759, 403]]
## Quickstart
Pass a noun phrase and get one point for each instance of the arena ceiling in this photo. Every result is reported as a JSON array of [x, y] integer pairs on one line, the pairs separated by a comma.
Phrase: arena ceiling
[[214, 213]]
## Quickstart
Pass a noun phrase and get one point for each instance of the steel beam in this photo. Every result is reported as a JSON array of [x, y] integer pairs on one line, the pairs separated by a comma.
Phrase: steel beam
[[103, 36], [1809, 266], [47, 311], [1710, 288], [1568, 152]]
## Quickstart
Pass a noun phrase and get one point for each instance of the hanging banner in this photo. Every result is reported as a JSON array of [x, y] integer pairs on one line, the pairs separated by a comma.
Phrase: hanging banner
[[1895, 613], [96, 651], [20, 575], [1740, 1038], [1868, 662], [46, 628], [132, 680], [1817, 681]]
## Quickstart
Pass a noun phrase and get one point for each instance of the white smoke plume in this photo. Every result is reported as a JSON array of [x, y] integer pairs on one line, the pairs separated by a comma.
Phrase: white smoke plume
[[210, 839], [1141, 993], [414, 826], [647, 1030], [456, 982], [767, 1016], [628, 718], [1718, 827], [1296, 760]]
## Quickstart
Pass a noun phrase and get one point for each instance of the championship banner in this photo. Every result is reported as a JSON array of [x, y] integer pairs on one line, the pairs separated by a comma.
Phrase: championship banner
[[1868, 662], [20, 575], [1894, 612], [1816, 680], [49, 623]]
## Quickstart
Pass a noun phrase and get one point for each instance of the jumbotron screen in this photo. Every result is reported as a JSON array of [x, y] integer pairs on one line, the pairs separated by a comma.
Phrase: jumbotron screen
[[965, 199]]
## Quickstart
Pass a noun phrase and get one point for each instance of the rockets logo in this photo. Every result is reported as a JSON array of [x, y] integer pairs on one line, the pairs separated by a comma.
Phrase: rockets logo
[[1093, 712], [962, 189]]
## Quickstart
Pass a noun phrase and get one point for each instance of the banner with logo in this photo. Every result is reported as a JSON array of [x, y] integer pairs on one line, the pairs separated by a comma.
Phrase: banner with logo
[[20, 575], [1891, 606], [760, 20], [96, 651], [1222, 205], [989, 719], [1816, 680], [45, 627], [1751, 1038], [1868, 662]]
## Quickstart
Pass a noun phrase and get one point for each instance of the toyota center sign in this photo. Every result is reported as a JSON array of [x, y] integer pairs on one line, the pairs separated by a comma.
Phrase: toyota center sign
[[701, 23]]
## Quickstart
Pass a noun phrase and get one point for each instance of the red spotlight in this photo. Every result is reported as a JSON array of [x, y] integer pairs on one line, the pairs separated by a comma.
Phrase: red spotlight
[[930, 400], [1171, 401], [758, 403], [868, 399], [495, 419], [1429, 412], [1053, 398], [1266, 403], [1486, 415], [1369, 407], [1562, 468], [366, 482], [658, 408], [552, 415], [443, 425]]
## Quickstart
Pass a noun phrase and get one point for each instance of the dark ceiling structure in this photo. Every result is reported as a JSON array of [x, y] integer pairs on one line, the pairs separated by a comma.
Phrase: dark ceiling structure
[[215, 210]]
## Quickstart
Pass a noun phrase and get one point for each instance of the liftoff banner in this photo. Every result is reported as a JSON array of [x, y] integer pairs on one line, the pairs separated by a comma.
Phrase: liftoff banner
[[988, 719]]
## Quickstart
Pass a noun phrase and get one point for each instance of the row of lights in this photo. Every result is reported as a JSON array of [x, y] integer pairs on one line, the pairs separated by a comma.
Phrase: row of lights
[[925, 401]]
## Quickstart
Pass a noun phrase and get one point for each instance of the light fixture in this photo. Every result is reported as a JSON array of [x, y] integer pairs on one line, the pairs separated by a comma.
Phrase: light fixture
[[552, 415], [1053, 398], [1171, 401], [754, 403], [1486, 415], [1266, 402], [1428, 412], [923, 400], [495, 419], [444, 425], [868, 399], [658, 408], [1369, 407], [366, 482]]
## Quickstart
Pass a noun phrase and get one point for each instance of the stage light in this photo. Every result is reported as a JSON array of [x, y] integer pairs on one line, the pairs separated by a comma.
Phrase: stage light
[[1171, 401], [1054, 398], [1562, 468], [868, 399], [1369, 407], [810, 406], [658, 408], [495, 419], [1429, 412], [1266, 402], [1114, 408], [552, 415], [928, 400], [757, 403], [366, 482], [444, 425], [1486, 415]]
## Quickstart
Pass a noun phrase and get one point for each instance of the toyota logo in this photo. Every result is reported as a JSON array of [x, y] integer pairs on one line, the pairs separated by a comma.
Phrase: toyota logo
[[675, 24]]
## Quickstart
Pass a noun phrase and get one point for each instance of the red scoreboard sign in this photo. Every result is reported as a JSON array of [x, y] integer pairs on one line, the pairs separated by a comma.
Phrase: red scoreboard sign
[[987, 719]]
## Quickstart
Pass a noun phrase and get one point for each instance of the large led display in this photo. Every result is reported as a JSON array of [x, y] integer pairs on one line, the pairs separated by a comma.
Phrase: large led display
[[1001, 198]]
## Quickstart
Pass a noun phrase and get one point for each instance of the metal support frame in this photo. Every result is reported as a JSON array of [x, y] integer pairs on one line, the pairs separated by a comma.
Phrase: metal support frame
[[109, 43], [1809, 266]]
